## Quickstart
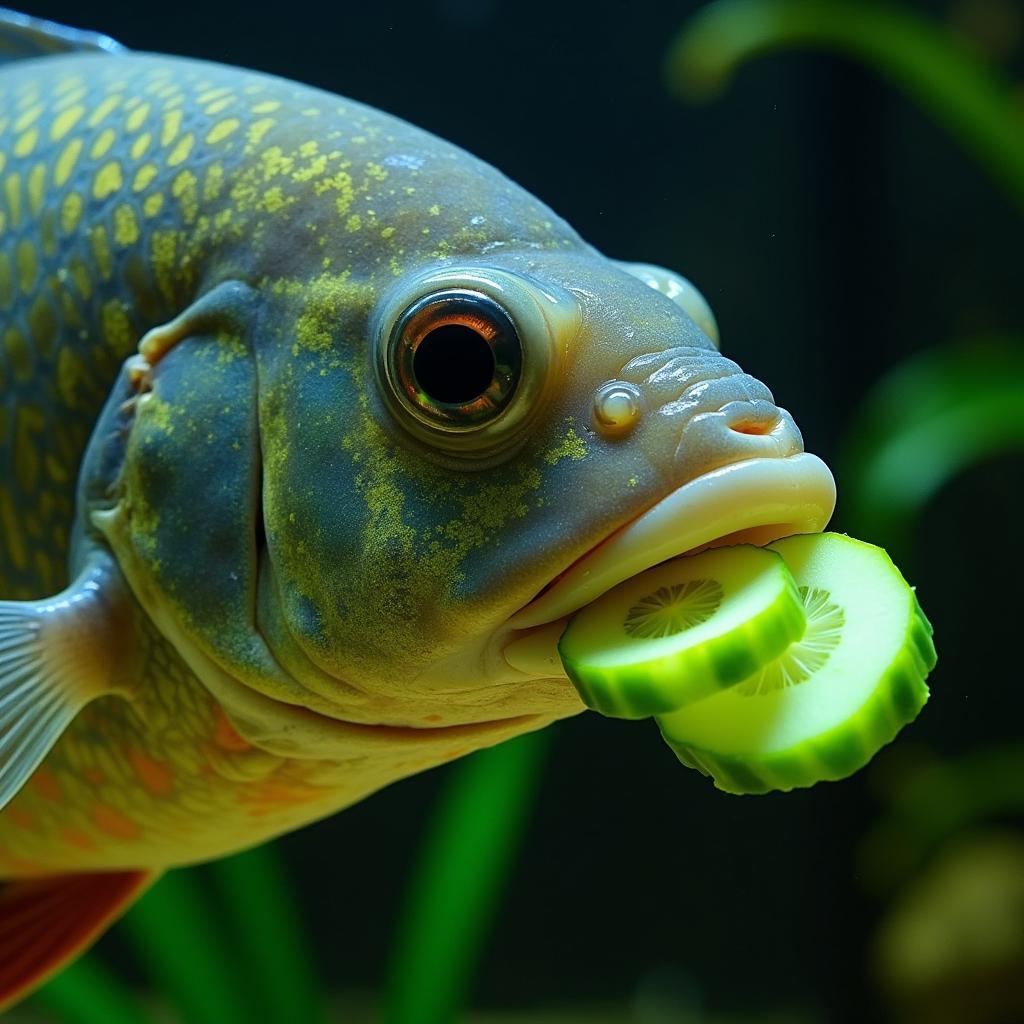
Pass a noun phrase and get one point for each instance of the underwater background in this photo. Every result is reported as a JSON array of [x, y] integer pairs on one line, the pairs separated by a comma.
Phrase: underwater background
[[850, 199]]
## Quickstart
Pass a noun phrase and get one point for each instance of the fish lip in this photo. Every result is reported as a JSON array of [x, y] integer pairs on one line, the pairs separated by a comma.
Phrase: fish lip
[[752, 501]]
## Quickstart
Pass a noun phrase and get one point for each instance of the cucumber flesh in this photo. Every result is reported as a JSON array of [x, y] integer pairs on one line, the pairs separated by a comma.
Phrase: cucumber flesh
[[826, 706], [681, 631]]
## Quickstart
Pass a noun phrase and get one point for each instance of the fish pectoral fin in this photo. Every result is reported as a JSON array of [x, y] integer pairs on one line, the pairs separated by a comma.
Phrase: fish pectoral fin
[[56, 656], [46, 922], [22, 36]]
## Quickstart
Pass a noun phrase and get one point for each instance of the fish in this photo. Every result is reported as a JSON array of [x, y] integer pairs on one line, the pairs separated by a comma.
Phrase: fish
[[314, 431]]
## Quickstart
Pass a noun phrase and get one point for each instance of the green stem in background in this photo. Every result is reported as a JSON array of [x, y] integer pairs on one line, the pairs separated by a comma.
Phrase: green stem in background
[[971, 98], [927, 420], [270, 936], [182, 946], [86, 993], [457, 885]]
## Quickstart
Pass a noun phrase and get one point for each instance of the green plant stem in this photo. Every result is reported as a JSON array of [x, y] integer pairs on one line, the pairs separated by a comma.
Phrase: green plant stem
[[971, 98], [183, 947], [926, 421], [269, 936], [86, 993], [457, 884]]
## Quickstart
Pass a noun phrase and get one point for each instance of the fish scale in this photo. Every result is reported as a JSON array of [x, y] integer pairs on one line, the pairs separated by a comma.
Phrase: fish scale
[[79, 276], [116, 185]]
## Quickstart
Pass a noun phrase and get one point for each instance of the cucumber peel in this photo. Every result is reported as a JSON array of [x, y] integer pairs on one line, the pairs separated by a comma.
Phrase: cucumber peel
[[682, 631], [826, 706]]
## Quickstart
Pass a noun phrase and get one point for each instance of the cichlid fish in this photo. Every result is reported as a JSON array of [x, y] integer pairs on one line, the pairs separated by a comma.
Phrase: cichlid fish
[[313, 430]]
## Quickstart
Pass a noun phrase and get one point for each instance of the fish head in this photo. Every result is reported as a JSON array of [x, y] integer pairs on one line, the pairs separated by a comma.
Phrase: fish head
[[449, 488], [413, 440]]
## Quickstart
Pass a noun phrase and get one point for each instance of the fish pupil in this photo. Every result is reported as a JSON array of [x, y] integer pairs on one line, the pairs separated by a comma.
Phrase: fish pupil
[[453, 364]]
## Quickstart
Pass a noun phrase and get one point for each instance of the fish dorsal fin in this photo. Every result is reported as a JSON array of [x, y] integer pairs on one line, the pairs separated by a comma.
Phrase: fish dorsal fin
[[46, 922], [56, 655], [23, 36]]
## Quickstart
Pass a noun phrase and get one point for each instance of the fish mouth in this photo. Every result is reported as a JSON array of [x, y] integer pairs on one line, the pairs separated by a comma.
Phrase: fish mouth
[[430, 734], [754, 501]]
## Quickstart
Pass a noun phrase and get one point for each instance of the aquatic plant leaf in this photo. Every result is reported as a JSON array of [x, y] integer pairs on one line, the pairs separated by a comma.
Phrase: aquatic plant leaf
[[269, 936], [457, 884], [182, 945], [937, 799], [87, 993], [927, 420], [972, 99]]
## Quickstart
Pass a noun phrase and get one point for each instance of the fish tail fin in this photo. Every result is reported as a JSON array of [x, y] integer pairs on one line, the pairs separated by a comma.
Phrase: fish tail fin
[[45, 923], [55, 656]]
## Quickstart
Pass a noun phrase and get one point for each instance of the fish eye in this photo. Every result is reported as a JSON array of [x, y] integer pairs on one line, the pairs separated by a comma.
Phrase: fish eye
[[466, 358], [456, 358]]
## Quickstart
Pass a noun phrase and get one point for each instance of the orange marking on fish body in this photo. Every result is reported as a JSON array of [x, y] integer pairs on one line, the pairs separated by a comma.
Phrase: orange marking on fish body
[[156, 777], [45, 783], [94, 776], [226, 736], [21, 818], [114, 823], [271, 795], [22, 865], [76, 837]]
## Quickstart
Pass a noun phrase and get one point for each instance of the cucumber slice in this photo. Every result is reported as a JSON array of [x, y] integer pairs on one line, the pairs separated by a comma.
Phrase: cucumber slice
[[682, 630], [825, 707]]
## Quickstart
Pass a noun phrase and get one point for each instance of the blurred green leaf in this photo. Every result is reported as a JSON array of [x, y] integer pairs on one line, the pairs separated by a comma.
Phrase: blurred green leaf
[[939, 799], [457, 885], [927, 420], [180, 942], [971, 98], [86, 993], [269, 936]]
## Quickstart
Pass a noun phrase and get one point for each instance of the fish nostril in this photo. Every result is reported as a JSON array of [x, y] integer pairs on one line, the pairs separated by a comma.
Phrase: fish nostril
[[755, 418], [758, 428], [616, 408]]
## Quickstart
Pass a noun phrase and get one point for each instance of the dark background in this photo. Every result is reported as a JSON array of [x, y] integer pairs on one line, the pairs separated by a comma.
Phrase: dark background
[[835, 230]]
